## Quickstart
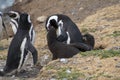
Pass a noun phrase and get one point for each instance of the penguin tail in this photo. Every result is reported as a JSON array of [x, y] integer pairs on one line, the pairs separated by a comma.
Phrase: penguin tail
[[54, 23]]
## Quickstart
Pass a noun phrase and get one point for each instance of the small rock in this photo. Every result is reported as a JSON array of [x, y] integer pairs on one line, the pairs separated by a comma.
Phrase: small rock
[[64, 79], [85, 68], [99, 66], [116, 59], [63, 60], [41, 19], [118, 65], [13, 76], [68, 71], [52, 79]]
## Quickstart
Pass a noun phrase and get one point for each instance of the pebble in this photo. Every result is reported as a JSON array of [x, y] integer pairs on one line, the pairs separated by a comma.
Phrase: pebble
[[68, 71], [13, 76], [118, 65], [63, 60], [85, 68], [64, 79], [41, 19], [52, 79]]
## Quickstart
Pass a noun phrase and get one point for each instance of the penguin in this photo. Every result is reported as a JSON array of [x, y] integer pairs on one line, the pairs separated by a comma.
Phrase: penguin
[[14, 18], [20, 46], [54, 24], [67, 31], [60, 49], [65, 27], [2, 25]]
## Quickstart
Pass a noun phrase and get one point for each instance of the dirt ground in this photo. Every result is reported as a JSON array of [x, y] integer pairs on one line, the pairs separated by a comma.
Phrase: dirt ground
[[100, 18]]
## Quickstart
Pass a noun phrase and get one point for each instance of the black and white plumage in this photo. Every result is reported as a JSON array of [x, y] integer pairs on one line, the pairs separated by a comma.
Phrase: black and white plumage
[[20, 46], [67, 30], [14, 17], [63, 50]]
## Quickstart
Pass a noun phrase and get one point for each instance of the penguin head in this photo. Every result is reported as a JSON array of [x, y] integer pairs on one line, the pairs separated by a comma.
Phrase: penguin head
[[24, 21], [14, 14], [58, 20], [51, 21]]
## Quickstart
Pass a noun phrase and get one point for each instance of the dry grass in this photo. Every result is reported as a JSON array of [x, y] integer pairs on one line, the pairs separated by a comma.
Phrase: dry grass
[[103, 23]]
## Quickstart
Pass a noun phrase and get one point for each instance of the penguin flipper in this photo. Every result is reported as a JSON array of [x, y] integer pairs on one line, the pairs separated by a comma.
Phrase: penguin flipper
[[32, 49], [81, 46]]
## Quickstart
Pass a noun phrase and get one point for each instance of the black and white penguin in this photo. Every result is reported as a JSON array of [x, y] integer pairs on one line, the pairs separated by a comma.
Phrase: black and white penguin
[[14, 18], [2, 25], [20, 46], [67, 30], [63, 50]]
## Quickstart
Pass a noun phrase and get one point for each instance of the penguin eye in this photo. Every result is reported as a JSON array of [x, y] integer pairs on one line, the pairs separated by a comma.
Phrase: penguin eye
[[13, 15]]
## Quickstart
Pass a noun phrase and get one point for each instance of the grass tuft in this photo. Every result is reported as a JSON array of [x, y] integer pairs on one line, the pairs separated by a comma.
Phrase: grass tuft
[[62, 74], [102, 53]]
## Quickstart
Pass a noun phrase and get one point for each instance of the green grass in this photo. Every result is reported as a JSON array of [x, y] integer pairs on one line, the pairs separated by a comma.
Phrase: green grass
[[102, 53], [69, 76], [115, 34], [85, 30]]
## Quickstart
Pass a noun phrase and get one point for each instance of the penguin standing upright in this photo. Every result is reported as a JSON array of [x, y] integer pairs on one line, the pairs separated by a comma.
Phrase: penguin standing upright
[[20, 46], [67, 30], [14, 18]]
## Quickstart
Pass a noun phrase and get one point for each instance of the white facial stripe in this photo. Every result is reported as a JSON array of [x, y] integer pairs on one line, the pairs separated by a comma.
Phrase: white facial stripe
[[22, 48], [17, 14], [59, 32], [52, 17], [68, 40], [29, 19], [60, 23], [13, 27], [14, 21]]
